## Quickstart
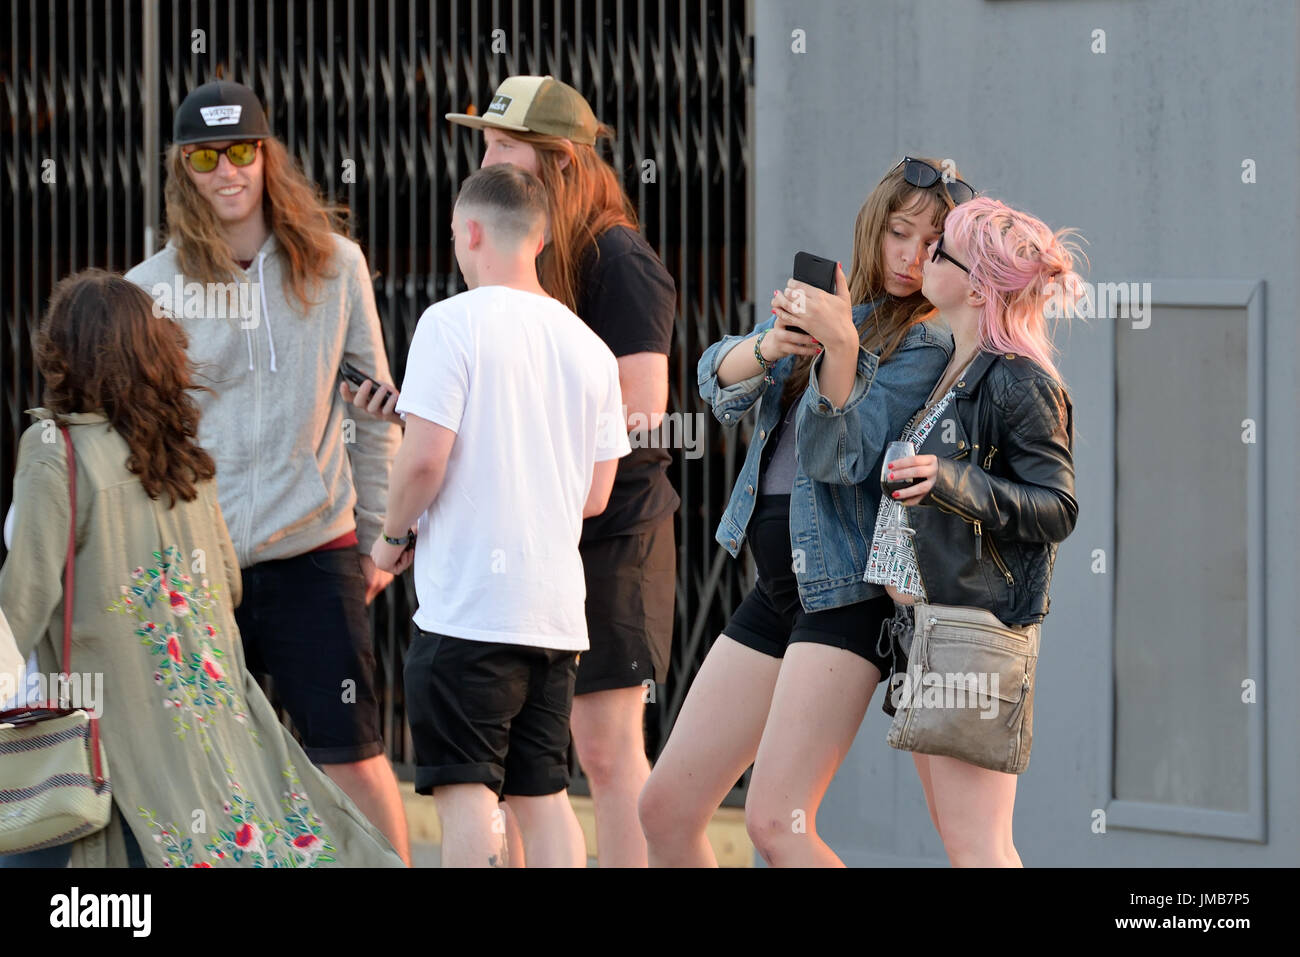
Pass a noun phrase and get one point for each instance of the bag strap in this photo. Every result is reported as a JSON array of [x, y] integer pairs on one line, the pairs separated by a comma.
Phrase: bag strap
[[69, 566], [69, 581]]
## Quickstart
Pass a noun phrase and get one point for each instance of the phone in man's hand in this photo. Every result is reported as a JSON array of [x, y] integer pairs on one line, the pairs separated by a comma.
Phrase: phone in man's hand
[[356, 376], [815, 271]]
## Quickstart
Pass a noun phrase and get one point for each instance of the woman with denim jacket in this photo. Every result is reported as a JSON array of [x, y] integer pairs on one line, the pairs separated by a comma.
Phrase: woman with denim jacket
[[996, 495], [787, 683]]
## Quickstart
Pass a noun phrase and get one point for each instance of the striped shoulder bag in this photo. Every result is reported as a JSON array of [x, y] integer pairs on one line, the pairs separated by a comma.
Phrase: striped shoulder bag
[[54, 785]]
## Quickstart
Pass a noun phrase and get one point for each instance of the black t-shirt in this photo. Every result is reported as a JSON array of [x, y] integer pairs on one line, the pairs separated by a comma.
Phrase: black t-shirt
[[628, 299]]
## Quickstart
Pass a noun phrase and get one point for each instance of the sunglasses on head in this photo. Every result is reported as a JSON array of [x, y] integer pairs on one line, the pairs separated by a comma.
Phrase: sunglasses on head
[[922, 175], [205, 160], [940, 254]]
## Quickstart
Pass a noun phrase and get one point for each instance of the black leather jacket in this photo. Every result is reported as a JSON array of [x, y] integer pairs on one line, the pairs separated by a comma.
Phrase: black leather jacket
[[1003, 498]]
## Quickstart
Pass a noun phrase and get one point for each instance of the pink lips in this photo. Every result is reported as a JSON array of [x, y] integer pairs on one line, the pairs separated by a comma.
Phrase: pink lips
[[902, 278]]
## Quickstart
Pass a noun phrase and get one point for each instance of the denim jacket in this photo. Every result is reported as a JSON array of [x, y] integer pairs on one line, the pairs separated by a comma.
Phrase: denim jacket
[[837, 481]]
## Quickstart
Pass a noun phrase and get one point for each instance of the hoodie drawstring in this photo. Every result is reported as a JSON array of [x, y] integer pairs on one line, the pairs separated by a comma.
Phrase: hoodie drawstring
[[266, 315]]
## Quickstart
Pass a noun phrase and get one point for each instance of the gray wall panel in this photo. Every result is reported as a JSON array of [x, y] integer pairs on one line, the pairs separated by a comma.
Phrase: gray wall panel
[[1140, 148]]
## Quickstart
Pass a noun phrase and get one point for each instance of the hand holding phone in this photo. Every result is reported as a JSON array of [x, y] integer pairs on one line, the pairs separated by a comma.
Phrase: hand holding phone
[[815, 271], [354, 375], [380, 403]]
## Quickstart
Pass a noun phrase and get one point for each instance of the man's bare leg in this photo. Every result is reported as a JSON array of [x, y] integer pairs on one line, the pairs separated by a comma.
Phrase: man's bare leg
[[467, 813], [609, 733], [552, 835], [372, 786], [514, 837]]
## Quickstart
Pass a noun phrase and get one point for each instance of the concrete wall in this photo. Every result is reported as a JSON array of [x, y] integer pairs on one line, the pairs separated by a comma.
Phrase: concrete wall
[[1141, 149]]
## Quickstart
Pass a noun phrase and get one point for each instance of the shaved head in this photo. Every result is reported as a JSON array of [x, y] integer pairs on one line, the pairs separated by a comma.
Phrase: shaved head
[[509, 202]]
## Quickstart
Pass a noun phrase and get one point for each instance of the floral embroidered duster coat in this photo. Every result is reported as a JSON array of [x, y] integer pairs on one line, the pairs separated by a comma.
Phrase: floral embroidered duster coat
[[201, 769]]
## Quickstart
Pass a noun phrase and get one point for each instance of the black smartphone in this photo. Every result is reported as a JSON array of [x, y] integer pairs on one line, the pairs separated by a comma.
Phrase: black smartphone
[[356, 376], [815, 271]]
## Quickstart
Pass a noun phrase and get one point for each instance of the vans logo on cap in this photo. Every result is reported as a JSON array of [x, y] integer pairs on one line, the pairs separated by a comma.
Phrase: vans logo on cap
[[220, 115], [499, 105]]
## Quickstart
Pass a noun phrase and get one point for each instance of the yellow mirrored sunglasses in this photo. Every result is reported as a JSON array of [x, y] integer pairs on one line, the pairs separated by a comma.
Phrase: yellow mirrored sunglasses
[[205, 160]]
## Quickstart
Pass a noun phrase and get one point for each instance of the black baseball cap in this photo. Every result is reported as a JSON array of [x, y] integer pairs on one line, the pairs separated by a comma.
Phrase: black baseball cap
[[220, 110]]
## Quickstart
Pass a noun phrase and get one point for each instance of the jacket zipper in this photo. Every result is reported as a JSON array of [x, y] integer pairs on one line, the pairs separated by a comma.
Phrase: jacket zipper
[[979, 538], [988, 459], [997, 560]]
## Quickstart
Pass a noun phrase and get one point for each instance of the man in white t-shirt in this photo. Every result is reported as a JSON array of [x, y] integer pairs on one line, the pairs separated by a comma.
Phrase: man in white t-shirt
[[514, 428]]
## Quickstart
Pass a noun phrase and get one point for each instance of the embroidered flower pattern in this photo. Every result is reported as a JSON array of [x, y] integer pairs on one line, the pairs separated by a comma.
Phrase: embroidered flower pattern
[[177, 624], [179, 851], [249, 839], [297, 840]]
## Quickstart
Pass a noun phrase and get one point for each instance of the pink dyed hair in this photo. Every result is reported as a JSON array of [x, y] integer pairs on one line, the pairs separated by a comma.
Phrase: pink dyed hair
[[1018, 265]]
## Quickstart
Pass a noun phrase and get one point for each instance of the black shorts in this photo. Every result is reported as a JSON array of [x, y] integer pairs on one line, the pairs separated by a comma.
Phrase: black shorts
[[631, 601], [486, 712], [771, 616], [303, 621]]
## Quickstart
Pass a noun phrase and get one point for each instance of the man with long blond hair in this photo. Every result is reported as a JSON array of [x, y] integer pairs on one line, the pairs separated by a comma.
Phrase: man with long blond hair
[[274, 296]]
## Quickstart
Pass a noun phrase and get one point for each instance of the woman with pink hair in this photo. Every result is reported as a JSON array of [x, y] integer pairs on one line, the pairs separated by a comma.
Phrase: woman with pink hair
[[994, 482]]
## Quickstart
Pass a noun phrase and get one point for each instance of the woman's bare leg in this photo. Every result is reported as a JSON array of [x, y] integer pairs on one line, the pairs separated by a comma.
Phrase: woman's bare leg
[[975, 808], [922, 762], [820, 699], [713, 741]]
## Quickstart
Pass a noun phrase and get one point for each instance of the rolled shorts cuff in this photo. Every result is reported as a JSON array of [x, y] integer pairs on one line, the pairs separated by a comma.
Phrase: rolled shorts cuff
[[348, 754], [490, 775], [611, 683]]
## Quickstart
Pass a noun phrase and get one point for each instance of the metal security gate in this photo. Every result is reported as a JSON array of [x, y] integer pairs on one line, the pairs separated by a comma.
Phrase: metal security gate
[[357, 89]]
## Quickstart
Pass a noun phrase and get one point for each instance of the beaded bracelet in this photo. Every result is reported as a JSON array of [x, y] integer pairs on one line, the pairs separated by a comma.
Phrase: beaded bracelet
[[758, 354]]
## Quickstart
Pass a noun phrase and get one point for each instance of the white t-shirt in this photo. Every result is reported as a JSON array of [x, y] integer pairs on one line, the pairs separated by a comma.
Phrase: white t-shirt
[[534, 399]]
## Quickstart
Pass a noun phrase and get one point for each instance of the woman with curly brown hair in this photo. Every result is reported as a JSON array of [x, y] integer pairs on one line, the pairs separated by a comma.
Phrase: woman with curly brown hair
[[202, 772], [274, 297]]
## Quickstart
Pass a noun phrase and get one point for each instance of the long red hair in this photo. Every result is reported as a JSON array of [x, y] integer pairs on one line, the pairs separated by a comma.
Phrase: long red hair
[[584, 198]]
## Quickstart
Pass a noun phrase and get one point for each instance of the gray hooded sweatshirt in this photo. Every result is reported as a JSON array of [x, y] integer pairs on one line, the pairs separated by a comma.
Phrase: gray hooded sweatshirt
[[296, 465]]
